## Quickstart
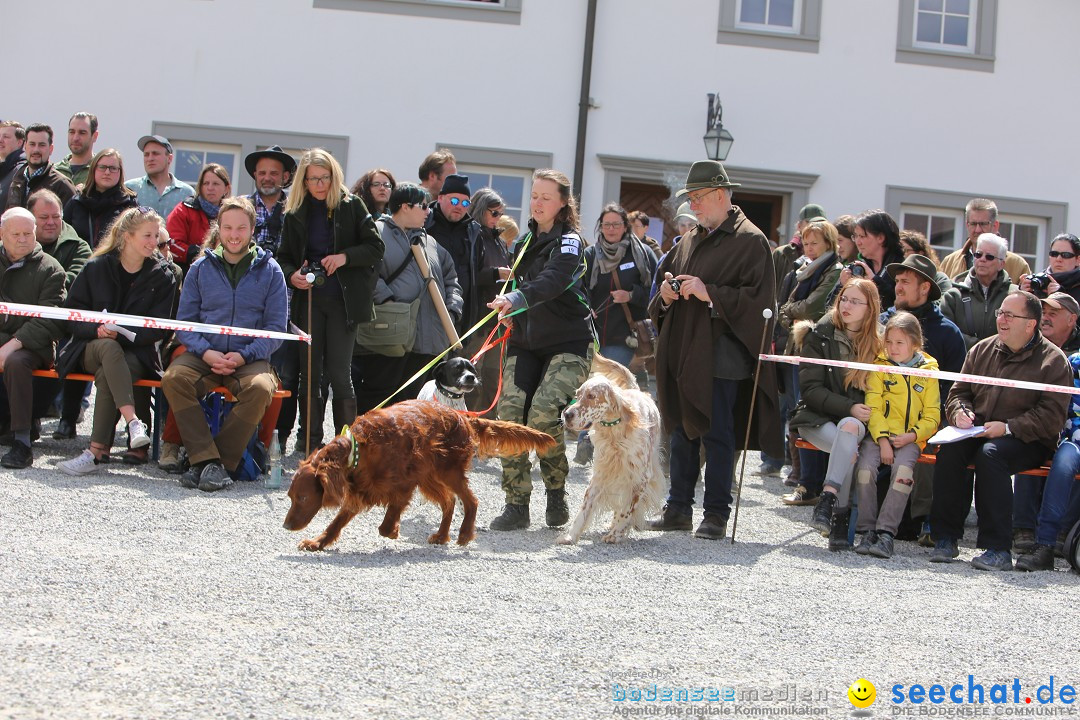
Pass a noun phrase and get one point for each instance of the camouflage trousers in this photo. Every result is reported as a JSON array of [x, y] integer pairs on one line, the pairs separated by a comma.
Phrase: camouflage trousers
[[564, 373]]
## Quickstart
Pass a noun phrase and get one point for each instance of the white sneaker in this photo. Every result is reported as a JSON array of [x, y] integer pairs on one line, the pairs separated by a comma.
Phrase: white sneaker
[[85, 464], [137, 437]]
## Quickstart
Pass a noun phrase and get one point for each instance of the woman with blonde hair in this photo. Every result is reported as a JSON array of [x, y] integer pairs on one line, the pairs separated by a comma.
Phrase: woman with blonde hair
[[329, 251], [126, 274], [832, 412], [189, 221]]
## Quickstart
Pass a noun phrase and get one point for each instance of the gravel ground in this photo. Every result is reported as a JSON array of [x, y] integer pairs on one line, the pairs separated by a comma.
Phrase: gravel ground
[[127, 596]]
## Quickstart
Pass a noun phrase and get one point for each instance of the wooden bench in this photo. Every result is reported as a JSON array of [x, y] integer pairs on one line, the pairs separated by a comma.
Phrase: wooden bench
[[931, 458], [156, 400]]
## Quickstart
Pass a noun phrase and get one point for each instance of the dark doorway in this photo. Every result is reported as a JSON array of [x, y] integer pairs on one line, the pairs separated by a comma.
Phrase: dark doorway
[[764, 210], [653, 200]]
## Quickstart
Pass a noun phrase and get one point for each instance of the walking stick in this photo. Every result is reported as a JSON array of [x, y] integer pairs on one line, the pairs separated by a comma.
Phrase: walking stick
[[436, 296], [766, 313], [307, 393]]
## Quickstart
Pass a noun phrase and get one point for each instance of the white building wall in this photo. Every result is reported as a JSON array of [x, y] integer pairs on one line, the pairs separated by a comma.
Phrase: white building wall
[[397, 85]]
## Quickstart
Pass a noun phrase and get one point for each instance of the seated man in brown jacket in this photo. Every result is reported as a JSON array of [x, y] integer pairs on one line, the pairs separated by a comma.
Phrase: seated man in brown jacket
[[1021, 430]]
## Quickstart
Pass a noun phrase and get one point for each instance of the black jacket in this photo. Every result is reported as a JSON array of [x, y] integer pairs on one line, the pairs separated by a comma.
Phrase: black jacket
[[91, 216], [97, 288], [22, 188], [462, 240], [610, 321], [7, 173], [551, 289]]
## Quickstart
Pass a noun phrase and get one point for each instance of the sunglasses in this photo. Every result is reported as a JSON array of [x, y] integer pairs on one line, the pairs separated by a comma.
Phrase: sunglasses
[[496, 213], [1066, 255], [988, 256], [162, 245], [413, 206], [458, 201]]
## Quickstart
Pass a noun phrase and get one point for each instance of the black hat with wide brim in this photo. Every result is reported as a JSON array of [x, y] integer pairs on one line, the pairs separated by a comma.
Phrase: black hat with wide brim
[[273, 152], [922, 266]]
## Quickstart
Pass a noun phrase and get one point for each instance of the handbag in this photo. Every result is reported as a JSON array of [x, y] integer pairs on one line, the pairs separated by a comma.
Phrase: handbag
[[641, 338], [392, 332]]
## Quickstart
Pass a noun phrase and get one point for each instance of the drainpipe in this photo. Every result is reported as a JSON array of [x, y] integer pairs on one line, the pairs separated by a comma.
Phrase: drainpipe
[[583, 102]]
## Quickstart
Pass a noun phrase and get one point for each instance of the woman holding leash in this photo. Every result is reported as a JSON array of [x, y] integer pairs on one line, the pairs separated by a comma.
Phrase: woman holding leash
[[547, 357]]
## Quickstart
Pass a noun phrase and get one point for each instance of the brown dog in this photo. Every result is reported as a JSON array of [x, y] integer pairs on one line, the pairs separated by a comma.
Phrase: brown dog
[[413, 444]]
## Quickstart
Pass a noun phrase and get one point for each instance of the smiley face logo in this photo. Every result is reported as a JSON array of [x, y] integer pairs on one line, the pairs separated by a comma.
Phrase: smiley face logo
[[862, 693]]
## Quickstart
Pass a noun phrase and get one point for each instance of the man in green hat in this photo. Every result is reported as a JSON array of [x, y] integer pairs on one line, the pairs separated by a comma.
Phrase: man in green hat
[[710, 313]]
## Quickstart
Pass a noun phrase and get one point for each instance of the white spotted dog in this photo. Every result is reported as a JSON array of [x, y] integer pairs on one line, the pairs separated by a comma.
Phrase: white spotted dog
[[451, 381], [624, 424]]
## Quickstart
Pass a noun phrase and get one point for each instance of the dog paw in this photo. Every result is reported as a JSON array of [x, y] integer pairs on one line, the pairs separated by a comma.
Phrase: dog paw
[[392, 533], [437, 539], [612, 537], [465, 539], [565, 540], [310, 545]]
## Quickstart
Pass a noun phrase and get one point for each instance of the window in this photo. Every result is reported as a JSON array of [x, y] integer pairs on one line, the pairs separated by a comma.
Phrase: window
[[776, 24], [495, 11], [1026, 224], [774, 15], [190, 158], [513, 186], [945, 25], [508, 172], [196, 145], [948, 33], [941, 227]]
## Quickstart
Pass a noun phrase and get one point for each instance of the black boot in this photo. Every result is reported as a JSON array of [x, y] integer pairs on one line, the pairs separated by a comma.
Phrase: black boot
[[672, 519], [838, 530], [344, 413], [823, 512], [314, 425], [557, 513], [514, 517], [1041, 558]]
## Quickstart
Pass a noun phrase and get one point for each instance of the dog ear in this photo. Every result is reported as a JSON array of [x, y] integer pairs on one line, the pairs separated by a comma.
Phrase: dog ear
[[628, 412], [332, 461]]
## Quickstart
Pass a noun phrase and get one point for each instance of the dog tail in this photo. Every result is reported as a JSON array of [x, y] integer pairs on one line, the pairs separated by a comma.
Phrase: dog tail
[[503, 439], [616, 372]]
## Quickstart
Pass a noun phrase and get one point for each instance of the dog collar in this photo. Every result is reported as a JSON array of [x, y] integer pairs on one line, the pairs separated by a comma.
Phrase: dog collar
[[447, 393], [609, 423], [354, 452]]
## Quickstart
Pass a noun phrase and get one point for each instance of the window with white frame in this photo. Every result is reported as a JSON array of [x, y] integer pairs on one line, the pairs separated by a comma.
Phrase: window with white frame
[[495, 11], [774, 24], [770, 15], [945, 25], [190, 158], [941, 227], [1027, 238], [948, 33], [512, 185]]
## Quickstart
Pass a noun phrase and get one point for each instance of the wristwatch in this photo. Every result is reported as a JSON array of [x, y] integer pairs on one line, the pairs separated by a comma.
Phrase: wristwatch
[[1007, 430]]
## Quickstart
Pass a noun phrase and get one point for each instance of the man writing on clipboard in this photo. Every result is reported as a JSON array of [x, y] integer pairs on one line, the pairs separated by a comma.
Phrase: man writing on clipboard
[[1021, 430]]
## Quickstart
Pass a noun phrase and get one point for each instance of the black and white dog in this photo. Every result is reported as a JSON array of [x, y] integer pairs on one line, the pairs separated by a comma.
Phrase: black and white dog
[[452, 380]]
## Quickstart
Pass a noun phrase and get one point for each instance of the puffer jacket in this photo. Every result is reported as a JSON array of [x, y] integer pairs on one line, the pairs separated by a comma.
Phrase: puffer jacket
[[903, 403], [823, 395], [971, 309], [187, 225], [409, 285]]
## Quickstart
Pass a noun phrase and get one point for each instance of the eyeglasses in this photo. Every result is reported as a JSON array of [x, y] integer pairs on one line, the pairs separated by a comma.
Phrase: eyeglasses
[[979, 255], [109, 168], [1066, 255], [386, 185], [495, 213], [612, 225], [1009, 316], [980, 223], [702, 196], [321, 180], [845, 300], [413, 206], [458, 201]]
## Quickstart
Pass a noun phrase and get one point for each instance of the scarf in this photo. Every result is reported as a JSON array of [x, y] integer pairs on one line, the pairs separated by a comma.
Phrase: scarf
[[811, 267], [210, 209], [611, 254], [106, 200]]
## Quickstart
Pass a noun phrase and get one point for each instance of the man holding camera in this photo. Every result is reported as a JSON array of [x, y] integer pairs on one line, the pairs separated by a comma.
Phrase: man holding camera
[[977, 294], [717, 283]]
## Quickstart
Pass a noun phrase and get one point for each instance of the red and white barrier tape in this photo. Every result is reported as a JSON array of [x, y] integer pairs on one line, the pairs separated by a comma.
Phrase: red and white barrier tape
[[59, 313], [920, 372]]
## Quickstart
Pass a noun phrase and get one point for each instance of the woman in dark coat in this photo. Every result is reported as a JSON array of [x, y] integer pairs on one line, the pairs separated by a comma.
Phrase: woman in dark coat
[[328, 236], [125, 275], [94, 208]]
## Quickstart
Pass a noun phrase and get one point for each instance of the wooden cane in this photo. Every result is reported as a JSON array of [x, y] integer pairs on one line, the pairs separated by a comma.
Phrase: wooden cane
[[766, 313], [307, 425], [436, 295]]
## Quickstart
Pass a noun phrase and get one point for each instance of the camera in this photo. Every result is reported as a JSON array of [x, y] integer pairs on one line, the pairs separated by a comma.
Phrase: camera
[[675, 284], [856, 270], [315, 273], [1040, 284]]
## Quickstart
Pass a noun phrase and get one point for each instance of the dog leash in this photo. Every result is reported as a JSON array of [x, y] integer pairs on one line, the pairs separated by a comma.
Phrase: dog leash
[[489, 345]]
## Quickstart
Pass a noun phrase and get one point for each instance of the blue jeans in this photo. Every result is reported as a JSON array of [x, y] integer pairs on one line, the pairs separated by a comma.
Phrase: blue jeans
[[719, 457], [1059, 486], [620, 353]]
